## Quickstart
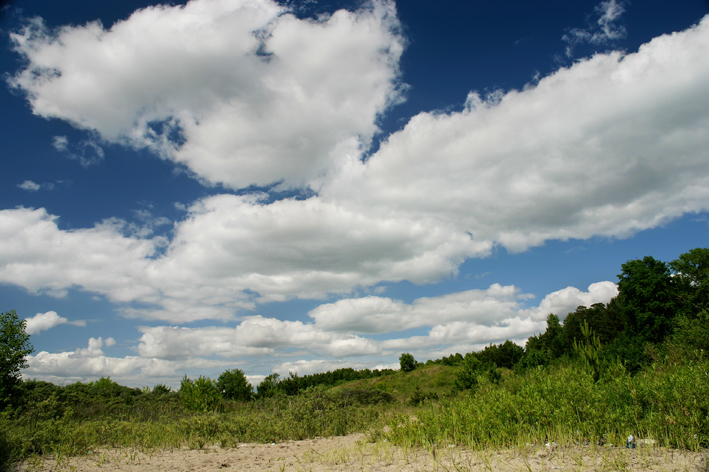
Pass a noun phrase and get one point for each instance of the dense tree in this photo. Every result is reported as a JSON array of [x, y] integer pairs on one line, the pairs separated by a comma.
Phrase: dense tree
[[268, 386], [291, 384], [14, 346], [506, 354], [691, 277], [233, 385], [200, 395], [407, 362], [542, 349], [647, 298]]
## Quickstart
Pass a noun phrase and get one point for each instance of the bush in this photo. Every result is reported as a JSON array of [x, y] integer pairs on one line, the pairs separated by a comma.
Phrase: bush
[[200, 395]]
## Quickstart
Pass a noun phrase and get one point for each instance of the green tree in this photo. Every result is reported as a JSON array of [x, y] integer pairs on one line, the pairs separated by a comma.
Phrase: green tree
[[542, 349], [648, 298], [468, 373], [14, 346], [233, 385], [691, 277], [268, 386], [200, 395], [407, 362]]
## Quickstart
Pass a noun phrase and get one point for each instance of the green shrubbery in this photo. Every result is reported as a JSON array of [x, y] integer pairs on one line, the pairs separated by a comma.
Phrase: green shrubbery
[[566, 405]]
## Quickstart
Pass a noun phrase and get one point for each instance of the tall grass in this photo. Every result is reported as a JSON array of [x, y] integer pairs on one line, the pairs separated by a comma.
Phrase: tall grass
[[667, 403], [61, 432]]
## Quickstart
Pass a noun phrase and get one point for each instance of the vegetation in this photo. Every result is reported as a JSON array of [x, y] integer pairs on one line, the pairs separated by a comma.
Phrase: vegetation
[[14, 346], [637, 365], [407, 363]]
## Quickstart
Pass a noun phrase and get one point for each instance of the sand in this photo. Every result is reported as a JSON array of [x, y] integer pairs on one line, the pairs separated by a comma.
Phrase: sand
[[355, 453]]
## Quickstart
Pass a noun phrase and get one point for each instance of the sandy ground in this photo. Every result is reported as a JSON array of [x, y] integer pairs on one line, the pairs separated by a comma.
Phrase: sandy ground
[[354, 453]]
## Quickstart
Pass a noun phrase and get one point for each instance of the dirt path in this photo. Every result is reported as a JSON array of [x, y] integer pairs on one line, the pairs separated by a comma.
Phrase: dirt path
[[353, 453]]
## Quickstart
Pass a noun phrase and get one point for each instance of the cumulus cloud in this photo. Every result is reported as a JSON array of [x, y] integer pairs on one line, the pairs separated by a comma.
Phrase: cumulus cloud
[[254, 336], [239, 91], [473, 318], [566, 300], [308, 367], [91, 363], [230, 252], [44, 321], [166, 353], [37, 255], [382, 315], [609, 146]]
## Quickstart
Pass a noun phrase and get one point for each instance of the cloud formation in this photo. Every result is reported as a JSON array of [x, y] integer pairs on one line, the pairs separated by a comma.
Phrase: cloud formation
[[240, 92], [608, 146], [605, 30], [91, 363], [44, 321]]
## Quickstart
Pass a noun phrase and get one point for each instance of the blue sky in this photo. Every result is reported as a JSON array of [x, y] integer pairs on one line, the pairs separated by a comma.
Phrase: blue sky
[[309, 185]]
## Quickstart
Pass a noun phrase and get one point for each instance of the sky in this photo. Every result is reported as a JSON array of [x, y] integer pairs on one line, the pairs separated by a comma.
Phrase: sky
[[303, 185]]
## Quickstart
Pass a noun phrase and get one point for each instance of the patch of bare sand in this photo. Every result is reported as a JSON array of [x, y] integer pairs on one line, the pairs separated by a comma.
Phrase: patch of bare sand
[[354, 453]]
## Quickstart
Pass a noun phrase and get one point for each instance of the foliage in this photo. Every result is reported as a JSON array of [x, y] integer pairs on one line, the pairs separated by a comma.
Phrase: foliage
[[690, 340], [200, 395], [565, 405], [407, 362], [14, 346], [504, 355], [290, 385], [233, 385], [268, 386], [590, 350], [691, 277], [161, 389], [647, 298], [468, 373], [420, 397]]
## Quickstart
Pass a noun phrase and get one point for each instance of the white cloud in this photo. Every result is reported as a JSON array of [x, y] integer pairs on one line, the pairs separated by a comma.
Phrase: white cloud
[[609, 146], [568, 299], [167, 353], [40, 257], [605, 30], [29, 186], [239, 91], [254, 336], [382, 315], [87, 152], [68, 367], [44, 321]]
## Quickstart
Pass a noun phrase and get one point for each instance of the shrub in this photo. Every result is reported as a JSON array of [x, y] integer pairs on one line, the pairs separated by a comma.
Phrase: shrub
[[200, 395]]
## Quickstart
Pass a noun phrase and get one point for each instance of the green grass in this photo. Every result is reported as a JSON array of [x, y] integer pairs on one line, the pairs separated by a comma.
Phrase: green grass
[[562, 403], [667, 403], [430, 379]]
